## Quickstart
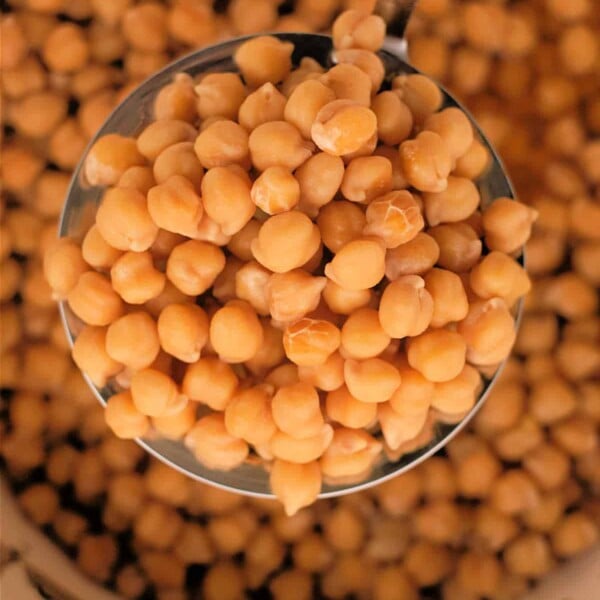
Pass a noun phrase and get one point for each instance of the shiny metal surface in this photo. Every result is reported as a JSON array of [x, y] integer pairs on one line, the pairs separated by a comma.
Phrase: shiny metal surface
[[78, 213]]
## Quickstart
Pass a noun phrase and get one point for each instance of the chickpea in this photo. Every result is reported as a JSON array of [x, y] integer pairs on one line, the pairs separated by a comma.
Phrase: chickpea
[[358, 265], [426, 162], [90, 356], [394, 118], [529, 555], [415, 257], [340, 222], [355, 29], [135, 279], [295, 485], [366, 61], [304, 103], [176, 100], [551, 400], [194, 265], [345, 302], [265, 104], [302, 451], [63, 266], [235, 332], [38, 114], [124, 418], [473, 163], [342, 127], [133, 340], [248, 416], [292, 295], [575, 435], [400, 427], [251, 281], [310, 342], [456, 203], [371, 380], [507, 224], [367, 178], [109, 158], [220, 95], [348, 82], [362, 335], [438, 354], [284, 374], [14, 42], [498, 275], [286, 241], [155, 394], [455, 129], [222, 143], [66, 49], [459, 394], [240, 243], [419, 93], [450, 301], [181, 160], [460, 247], [264, 59], [94, 301], [327, 377], [183, 331], [276, 190], [278, 144], [210, 381]]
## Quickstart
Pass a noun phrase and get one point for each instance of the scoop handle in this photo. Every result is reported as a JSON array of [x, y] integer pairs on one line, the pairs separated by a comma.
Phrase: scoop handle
[[396, 14]]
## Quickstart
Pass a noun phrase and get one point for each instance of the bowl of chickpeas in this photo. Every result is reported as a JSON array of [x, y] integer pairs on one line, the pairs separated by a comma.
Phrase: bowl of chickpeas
[[291, 264]]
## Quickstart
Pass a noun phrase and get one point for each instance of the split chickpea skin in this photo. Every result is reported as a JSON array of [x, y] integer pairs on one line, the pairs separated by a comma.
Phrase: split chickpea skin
[[299, 252]]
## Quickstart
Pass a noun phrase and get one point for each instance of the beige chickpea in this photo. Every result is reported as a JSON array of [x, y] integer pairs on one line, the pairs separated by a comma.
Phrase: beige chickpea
[[319, 179], [529, 555], [222, 143], [210, 381], [302, 451], [63, 266], [351, 454], [367, 178], [341, 406], [355, 29], [348, 82], [159, 135], [456, 203], [473, 162], [450, 301], [343, 301], [96, 251], [358, 265], [271, 352], [66, 49], [459, 394], [94, 301], [328, 376], [459, 244], [366, 61], [124, 418], [240, 243], [135, 279], [296, 410], [438, 354], [89, 354], [309, 342], [340, 222], [178, 159], [400, 427], [371, 380], [305, 102], [109, 158], [426, 162], [265, 104], [220, 94], [278, 143], [419, 93], [251, 282], [295, 485], [175, 426], [155, 394], [412, 258], [248, 416], [394, 119], [455, 129], [276, 190], [183, 331], [363, 336], [194, 265], [292, 295], [133, 340], [264, 59], [176, 100], [286, 241]]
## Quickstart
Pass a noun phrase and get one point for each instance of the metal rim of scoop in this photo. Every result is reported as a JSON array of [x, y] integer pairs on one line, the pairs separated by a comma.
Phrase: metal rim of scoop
[[132, 114]]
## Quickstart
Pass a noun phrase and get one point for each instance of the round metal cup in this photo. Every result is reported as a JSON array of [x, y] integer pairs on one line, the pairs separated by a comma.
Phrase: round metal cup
[[129, 118]]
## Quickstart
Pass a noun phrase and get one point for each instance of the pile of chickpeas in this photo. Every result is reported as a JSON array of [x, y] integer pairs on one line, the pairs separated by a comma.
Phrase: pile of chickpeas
[[287, 261], [505, 503]]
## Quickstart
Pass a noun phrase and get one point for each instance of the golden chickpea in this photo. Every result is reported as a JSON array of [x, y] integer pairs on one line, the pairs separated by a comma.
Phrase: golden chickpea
[[22, 79], [286, 241], [342, 127], [248, 416], [302, 451], [450, 301], [63, 266], [210, 381], [265, 104], [137, 178], [571, 296], [276, 190], [371, 380], [178, 159], [327, 377], [363, 336], [270, 354], [367, 178], [412, 258], [124, 419], [90, 355], [498, 275], [296, 410], [358, 265], [459, 394], [366, 61], [220, 95], [576, 435], [159, 135], [529, 555], [94, 301], [292, 295], [135, 279], [210, 231], [305, 102], [438, 354], [310, 342], [175, 426], [419, 93], [460, 247], [264, 59], [223, 288], [38, 114], [356, 29], [394, 118], [251, 281], [345, 302], [284, 374], [221, 144], [473, 162], [340, 222], [169, 295], [176, 100], [240, 243], [426, 162], [155, 394], [400, 427], [348, 82], [295, 485], [133, 340], [66, 49], [456, 203], [406, 307], [183, 331], [14, 42], [109, 158], [455, 129], [343, 407], [194, 265], [507, 224], [235, 332], [278, 143]]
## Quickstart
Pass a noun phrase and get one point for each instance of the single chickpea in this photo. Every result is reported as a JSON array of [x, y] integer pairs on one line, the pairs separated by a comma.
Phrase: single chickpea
[[159, 135], [210, 381], [455, 129], [295, 485], [305, 102], [415, 392], [135, 279], [473, 162], [63, 266], [178, 159], [276, 190], [109, 158], [155, 394], [248, 416], [177, 100], [210, 231], [309, 69], [251, 281], [66, 49], [89, 354], [220, 95], [358, 265], [459, 394], [284, 374], [310, 342], [419, 93], [394, 118], [438, 354], [548, 465], [576, 435], [366, 61], [312, 554], [507, 224], [94, 301], [221, 144], [348, 82], [456, 203], [529, 555], [341, 406], [340, 222], [571, 296], [342, 127], [351, 454], [183, 331], [286, 241], [363, 336], [426, 162], [226, 198], [137, 178], [133, 340], [327, 377], [192, 24], [176, 426], [235, 332], [357, 29], [399, 428], [271, 352], [367, 178], [412, 258], [265, 104], [223, 288], [278, 143], [240, 243], [345, 302], [406, 307], [302, 451], [514, 492], [124, 419], [124, 222], [38, 114], [489, 332], [460, 247], [371, 380], [574, 534], [292, 295], [450, 302], [194, 265], [296, 410], [264, 59], [14, 42]]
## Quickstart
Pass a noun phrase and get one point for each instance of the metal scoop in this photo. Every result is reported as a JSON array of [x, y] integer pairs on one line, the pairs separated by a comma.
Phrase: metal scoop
[[135, 112]]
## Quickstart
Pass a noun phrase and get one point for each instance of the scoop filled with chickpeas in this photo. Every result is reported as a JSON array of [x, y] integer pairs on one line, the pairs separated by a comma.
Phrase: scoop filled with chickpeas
[[291, 264]]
